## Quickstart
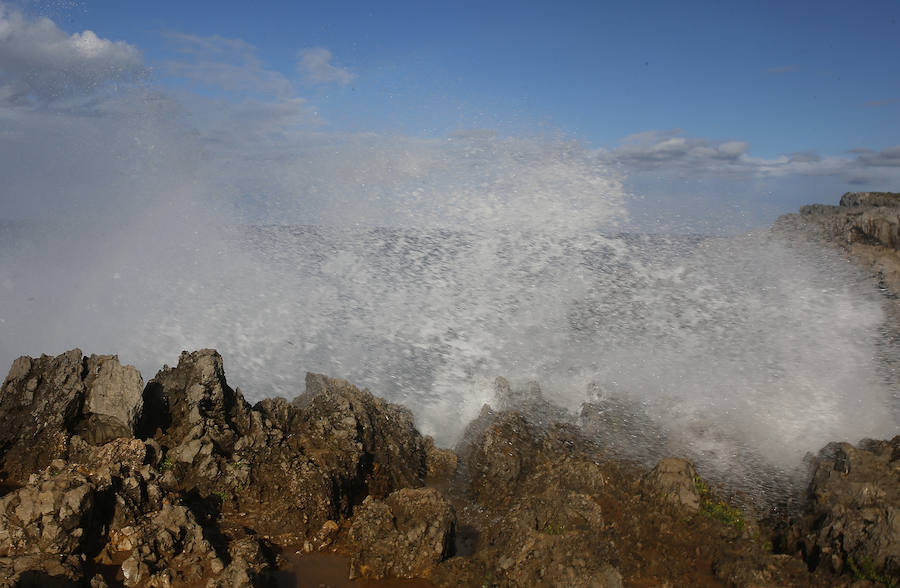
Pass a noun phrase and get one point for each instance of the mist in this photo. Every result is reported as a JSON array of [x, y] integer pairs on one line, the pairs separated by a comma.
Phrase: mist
[[143, 217]]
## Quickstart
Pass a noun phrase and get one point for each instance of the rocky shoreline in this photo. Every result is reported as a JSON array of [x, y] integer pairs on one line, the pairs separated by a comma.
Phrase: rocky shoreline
[[865, 225], [106, 481]]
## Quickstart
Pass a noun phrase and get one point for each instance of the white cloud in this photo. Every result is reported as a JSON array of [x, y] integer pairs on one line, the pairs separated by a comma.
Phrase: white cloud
[[670, 152], [655, 149], [315, 64], [40, 60]]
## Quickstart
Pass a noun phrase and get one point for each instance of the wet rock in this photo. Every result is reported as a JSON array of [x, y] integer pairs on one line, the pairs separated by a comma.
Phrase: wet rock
[[404, 536], [341, 418], [674, 481], [853, 522], [552, 538], [512, 452]]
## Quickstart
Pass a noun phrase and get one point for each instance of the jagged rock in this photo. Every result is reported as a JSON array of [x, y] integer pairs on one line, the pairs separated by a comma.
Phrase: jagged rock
[[39, 402], [193, 400], [340, 417], [59, 511], [167, 548], [674, 481], [853, 523], [513, 450], [310, 465], [45, 400], [536, 484], [404, 536], [196, 419], [113, 391]]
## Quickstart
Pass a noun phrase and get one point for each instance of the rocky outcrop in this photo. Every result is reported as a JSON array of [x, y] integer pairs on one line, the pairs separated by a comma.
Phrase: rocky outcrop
[[309, 462], [866, 225], [186, 484], [852, 523], [191, 499], [45, 401]]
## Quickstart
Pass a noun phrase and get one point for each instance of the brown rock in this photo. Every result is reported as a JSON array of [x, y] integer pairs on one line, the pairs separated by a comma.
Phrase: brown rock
[[853, 523], [403, 537]]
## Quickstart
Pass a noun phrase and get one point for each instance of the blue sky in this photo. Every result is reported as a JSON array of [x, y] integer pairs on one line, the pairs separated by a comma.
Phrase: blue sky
[[764, 105], [785, 77]]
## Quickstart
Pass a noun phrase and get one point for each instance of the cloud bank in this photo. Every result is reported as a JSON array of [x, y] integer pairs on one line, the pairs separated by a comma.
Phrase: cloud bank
[[39, 61], [674, 153]]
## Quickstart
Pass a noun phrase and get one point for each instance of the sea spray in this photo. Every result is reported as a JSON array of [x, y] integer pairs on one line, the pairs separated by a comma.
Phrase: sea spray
[[423, 269]]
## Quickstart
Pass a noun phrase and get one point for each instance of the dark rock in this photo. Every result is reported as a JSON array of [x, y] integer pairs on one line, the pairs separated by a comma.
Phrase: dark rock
[[308, 466], [553, 537], [41, 571], [853, 522], [195, 402], [45, 400], [40, 401], [404, 536], [502, 456]]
